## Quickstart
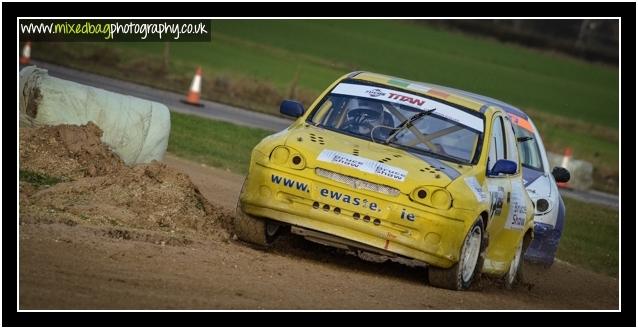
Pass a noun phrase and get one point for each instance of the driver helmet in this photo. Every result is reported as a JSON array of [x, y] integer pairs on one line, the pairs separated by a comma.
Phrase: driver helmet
[[363, 115]]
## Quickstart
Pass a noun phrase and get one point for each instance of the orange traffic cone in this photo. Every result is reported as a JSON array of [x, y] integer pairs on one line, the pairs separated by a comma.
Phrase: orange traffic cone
[[566, 157], [192, 97], [26, 53]]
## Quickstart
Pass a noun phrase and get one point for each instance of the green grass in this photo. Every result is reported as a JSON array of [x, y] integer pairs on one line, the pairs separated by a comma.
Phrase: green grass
[[602, 153], [38, 179], [326, 49], [253, 64], [590, 237], [272, 50], [214, 143]]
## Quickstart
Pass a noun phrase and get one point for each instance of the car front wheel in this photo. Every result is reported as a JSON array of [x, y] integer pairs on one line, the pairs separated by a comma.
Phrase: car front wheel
[[258, 231], [461, 275]]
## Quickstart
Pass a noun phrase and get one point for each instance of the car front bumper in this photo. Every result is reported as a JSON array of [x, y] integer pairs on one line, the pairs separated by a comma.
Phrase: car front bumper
[[369, 218], [544, 245]]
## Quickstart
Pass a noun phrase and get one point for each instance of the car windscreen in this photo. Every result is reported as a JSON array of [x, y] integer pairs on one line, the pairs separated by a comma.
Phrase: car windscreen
[[528, 147], [387, 116]]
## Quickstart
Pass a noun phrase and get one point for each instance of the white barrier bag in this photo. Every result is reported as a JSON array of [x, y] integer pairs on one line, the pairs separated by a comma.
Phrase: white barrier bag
[[136, 129]]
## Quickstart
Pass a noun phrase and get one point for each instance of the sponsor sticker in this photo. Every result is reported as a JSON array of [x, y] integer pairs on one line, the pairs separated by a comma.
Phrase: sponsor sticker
[[290, 183], [497, 199], [411, 100], [518, 208], [521, 122], [350, 199], [363, 164], [375, 92], [420, 88], [474, 185]]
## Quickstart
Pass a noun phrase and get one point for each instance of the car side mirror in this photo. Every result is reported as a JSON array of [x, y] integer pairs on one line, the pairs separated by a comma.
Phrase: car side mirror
[[561, 175], [291, 108], [503, 166]]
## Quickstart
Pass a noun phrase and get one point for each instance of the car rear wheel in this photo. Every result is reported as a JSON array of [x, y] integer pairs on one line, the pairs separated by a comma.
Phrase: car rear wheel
[[515, 274], [461, 275], [258, 231]]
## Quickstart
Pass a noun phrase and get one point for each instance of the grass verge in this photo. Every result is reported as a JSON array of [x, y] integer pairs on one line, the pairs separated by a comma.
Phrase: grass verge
[[215, 143], [590, 237], [256, 64]]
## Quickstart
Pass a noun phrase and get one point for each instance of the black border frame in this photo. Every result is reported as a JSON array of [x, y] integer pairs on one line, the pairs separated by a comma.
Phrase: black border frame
[[625, 10]]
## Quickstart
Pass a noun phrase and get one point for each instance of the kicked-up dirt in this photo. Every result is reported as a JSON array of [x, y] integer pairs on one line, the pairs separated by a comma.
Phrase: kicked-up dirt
[[103, 235]]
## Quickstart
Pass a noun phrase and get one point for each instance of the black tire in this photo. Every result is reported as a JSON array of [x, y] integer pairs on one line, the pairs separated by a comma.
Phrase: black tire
[[258, 231], [453, 278], [512, 281]]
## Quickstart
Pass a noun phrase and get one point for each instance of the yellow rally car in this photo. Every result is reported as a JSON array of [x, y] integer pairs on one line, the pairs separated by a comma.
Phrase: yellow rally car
[[397, 169]]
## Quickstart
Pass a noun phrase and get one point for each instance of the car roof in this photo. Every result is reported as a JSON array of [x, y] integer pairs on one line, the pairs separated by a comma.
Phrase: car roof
[[479, 101]]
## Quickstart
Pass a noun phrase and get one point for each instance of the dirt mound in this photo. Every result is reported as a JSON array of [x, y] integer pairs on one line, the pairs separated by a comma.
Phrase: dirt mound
[[67, 151], [96, 187]]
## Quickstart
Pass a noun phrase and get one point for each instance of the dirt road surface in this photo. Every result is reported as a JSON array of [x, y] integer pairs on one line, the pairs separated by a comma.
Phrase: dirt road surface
[[66, 265]]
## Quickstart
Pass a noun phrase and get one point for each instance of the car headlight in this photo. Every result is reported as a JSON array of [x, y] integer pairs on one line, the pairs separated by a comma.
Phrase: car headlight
[[542, 206], [432, 196], [441, 199], [286, 156], [280, 155]]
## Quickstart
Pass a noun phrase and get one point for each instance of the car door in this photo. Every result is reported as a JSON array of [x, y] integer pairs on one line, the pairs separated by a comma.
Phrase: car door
[[499, 187], [508, 197], [518, 200]]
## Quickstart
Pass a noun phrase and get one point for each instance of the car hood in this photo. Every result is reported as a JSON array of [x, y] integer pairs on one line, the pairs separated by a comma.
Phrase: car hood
[[373, 162], [537, 184]]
